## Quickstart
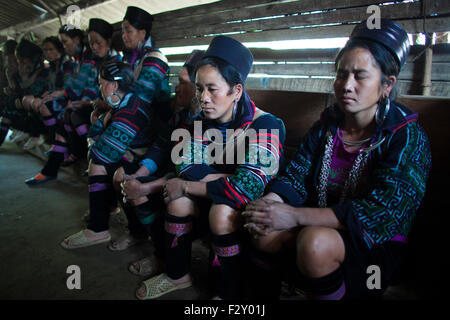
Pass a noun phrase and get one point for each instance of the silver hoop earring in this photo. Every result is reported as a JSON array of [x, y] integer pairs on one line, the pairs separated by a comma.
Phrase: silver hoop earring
[[234, 109], [382, 110]]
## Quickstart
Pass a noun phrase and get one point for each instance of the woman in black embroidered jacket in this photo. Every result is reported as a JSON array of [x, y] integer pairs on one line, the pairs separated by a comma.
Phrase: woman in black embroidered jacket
[[215, 183], [347, 200], [151, 69], [118, 133]]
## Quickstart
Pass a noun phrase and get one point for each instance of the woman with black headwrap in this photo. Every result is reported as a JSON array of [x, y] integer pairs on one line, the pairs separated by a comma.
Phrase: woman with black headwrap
[[229, 156], [117, 134], [347, 201], [150, 66]]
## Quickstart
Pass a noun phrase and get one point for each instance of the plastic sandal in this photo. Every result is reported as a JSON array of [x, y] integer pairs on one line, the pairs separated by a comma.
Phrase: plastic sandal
[[160, 285], [146, 267], [39, 179], [79, 240]]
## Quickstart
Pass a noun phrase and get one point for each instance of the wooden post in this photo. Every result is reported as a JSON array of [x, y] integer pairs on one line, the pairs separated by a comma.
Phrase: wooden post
[[426, 82]]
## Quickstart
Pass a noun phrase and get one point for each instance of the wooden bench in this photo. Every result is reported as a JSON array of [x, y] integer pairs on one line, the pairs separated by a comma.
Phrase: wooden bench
[[299, 110]]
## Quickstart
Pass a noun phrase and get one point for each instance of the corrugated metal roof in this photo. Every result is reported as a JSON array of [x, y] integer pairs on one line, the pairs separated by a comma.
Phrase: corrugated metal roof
[[39, 15]]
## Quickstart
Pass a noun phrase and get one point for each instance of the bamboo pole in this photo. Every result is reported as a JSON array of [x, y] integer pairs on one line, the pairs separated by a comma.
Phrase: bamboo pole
[[426, 82]]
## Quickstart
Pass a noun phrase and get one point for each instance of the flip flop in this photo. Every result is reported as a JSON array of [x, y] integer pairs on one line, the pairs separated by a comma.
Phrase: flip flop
[[145, 267], [79, 240], [160, 285]]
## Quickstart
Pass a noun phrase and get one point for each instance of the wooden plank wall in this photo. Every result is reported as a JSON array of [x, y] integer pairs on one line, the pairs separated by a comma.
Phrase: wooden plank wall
[[305, 70]]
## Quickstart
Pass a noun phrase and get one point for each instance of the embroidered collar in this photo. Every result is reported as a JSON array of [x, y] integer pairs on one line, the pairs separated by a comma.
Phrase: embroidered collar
[[139, 52]]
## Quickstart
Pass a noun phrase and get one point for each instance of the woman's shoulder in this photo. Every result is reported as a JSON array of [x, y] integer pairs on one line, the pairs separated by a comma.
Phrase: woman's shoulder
[[267, 120], [132, 100], [154, 54]]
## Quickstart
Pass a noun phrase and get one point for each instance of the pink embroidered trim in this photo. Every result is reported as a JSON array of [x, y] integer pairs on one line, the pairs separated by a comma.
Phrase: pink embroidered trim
[[227, 251], [178, 229], [215, 262]]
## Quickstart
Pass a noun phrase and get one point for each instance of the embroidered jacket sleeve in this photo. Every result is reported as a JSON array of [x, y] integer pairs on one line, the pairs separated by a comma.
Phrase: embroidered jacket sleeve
[[263, 154], [97, 128], [82, 82], [292, 184], [399, 181], [68, 69], [119, 134], [262, 161], [158, 155], [40, 84], [152, 82]]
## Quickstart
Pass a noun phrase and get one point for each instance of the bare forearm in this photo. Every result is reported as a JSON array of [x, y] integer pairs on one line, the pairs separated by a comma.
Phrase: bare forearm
[[195, 188], [153, 186], [319, 217], [198, 188], [273, 196], [142, 171], [215, 176]]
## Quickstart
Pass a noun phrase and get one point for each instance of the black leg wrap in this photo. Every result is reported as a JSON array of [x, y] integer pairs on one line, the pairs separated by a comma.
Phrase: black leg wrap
[[264, 275], [178, 245], [228, 251], [329, 287], [99, 188]]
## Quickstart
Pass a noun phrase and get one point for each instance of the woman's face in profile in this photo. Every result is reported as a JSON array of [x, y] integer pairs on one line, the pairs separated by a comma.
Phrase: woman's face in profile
[[357, 86], [99, 45], [106, 87], [50, 52], [216, 99], [131, 36], [69, 44], [25, 65]]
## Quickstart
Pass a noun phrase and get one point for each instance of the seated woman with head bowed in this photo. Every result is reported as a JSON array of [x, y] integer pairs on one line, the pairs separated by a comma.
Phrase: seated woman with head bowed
[[215, 183], [347, 201], [117, 134]]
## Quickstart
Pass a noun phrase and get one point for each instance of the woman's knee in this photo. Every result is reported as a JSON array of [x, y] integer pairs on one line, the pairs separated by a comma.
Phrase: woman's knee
[[118, 178], [43, 110], [223, 219], [18, 104], [60, 138], [27, 101], [36, 104], [181, 207], [320, 250], [96, 170], [274, 242]]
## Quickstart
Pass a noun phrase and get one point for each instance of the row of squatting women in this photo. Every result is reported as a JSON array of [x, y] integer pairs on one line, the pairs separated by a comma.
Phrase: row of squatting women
[[345, 201]]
